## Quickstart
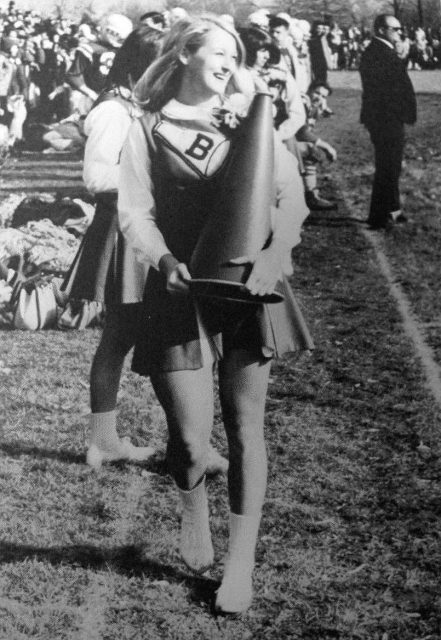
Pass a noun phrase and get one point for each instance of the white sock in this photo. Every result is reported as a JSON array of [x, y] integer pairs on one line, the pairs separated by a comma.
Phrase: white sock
[[106, 446], [195, 544], [103, 432], [236, 590]]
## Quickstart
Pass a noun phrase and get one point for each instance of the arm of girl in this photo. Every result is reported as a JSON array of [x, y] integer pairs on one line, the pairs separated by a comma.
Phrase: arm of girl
[[103, 146], [287, 219], [136, 202]]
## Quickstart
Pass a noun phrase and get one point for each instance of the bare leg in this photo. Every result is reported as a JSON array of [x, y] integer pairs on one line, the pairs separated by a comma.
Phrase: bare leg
[[116, 341], [243, 388], [106, 369], [187, 399]]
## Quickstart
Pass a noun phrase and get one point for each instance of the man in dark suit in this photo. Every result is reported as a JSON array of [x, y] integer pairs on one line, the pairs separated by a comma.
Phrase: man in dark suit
[[318, 48], [388, 102]]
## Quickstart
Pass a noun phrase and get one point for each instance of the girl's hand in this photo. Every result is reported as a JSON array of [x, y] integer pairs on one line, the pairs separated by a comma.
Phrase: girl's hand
[[268, 268], [176, 274]]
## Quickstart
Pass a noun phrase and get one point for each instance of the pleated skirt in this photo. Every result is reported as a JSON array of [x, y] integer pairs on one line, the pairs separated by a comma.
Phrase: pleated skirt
[[105, 268], [173, 327]]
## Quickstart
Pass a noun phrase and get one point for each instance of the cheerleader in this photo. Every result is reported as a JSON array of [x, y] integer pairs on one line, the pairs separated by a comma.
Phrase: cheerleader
[[105, 268], [170, 165]]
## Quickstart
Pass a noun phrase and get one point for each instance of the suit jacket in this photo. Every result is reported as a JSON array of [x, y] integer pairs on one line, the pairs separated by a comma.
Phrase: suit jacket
[[319, 64], [388, 96]]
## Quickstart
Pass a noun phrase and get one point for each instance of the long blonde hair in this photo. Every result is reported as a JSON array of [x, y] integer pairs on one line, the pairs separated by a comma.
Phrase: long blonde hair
[[161, 81]]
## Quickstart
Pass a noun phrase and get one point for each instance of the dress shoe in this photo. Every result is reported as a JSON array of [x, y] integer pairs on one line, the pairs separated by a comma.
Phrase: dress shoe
[[316, 203], [387, 224]]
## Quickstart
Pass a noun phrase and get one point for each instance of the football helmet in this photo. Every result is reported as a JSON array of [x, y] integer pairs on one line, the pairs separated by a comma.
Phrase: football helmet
[[115, 28]]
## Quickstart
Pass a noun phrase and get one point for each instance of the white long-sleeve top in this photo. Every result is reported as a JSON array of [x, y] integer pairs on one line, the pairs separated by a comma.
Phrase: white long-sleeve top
[[294, 107], [136, 196], [106, 128]]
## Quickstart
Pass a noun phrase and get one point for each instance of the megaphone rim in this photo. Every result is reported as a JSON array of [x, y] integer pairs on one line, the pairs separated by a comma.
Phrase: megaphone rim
[[200, 286]]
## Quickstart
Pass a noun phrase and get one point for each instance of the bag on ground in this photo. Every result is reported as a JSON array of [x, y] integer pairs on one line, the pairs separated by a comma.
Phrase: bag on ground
[[34, 304], [80, 314]]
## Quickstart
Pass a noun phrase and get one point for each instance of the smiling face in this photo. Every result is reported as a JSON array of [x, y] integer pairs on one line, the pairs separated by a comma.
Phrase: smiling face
[[319, 95], [208, 70]]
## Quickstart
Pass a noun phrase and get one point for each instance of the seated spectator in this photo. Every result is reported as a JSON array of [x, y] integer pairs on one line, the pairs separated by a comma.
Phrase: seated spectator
[[260, 19], [154, 19], [174, 15], [262, 61], [285, 69], [261, 51], [6, 73], [312, 146], [93, 61]]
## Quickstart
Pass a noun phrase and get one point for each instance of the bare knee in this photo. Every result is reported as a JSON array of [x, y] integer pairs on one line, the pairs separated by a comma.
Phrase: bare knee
[[188, 452]]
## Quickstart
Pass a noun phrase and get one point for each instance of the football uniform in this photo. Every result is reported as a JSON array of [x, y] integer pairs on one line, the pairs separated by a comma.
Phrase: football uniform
[[91, 66]]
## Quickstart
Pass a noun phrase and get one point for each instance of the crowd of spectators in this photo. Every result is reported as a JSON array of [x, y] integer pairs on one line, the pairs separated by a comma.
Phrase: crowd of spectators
[[53, 69], [419, 48]]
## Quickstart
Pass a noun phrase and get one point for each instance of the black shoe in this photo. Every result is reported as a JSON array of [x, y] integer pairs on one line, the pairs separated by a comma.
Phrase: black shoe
[[314, 202], [385, 223], [401, 219]]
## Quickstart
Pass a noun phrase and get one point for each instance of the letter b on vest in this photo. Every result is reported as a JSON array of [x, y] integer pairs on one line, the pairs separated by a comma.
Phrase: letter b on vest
[[200, 147]]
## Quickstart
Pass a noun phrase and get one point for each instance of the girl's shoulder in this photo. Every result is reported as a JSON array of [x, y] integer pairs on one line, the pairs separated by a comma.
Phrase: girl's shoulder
[[119, 97], [107, 112]]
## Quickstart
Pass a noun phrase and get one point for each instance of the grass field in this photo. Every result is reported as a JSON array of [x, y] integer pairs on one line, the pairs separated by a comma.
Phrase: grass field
[[350, 540]]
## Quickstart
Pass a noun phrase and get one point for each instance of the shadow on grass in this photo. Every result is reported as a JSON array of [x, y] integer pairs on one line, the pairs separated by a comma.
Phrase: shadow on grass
[[325, 220], [16, 449], [127, 560]]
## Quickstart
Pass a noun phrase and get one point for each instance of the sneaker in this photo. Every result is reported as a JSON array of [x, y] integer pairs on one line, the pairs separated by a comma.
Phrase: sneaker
[[127, 451]]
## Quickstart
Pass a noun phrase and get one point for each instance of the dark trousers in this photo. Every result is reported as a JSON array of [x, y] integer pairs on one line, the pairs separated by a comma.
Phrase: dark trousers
[[388, 143]]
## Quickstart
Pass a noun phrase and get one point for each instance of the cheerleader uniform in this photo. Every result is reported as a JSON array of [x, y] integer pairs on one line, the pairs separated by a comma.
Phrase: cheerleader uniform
[[171, 167], [105, 268]]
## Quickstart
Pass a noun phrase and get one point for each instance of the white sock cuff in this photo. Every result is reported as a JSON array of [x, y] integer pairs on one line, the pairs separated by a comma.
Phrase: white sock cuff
[[103, 419], [243, 531], [194, 500], [250, 518]]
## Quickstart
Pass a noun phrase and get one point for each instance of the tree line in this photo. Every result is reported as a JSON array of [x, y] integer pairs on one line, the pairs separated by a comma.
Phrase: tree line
[[425, 13]]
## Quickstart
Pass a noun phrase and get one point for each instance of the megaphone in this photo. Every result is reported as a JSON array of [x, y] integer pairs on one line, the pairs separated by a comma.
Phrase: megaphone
[[240, 223]]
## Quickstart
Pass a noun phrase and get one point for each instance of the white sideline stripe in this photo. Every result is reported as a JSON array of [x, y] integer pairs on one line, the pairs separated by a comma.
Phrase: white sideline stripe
[[411, 326], [92, 624]]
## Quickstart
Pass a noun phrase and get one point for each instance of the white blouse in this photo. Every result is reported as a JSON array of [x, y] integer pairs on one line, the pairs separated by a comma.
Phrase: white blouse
[[106, 128]]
